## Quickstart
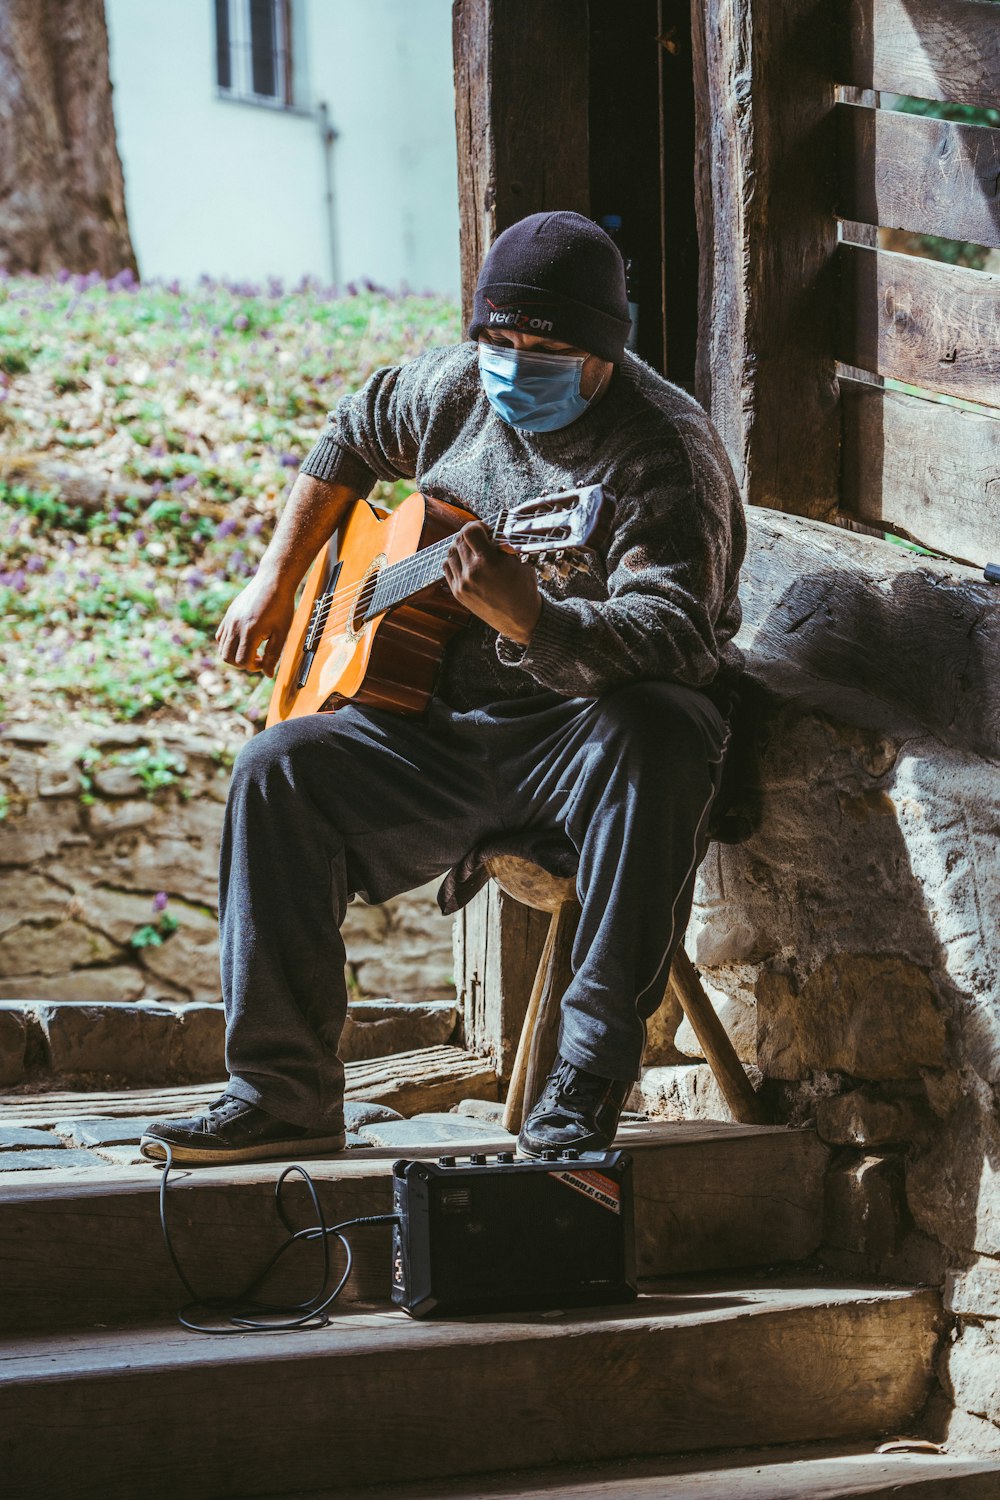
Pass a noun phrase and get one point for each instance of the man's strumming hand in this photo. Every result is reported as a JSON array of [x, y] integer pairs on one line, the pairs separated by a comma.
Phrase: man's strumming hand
[[492, 583], [263, 611]]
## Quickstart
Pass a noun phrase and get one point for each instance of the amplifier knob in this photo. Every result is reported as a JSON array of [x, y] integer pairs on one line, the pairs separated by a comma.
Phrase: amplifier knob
[[505, 1156], [446, 1161], [478, 1160]]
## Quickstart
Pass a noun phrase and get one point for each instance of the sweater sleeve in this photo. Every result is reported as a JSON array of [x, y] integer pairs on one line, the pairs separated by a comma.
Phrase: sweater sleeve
[[374, 433], [667, 566]]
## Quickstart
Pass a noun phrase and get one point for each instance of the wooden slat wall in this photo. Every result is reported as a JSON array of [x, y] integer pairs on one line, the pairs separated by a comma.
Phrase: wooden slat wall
[[921, 322], [912, 172], [924, 469], [932, 49]]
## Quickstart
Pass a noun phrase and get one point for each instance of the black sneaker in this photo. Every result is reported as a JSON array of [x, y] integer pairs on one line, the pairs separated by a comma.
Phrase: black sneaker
[[233, 1130], [576, 1109]]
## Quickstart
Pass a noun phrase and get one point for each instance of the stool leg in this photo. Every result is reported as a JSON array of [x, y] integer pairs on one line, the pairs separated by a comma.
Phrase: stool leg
[[720, 1054], [514, 1107], [559, 972]]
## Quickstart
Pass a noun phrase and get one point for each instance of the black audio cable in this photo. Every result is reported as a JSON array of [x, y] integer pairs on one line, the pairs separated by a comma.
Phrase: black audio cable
[[242, 1312]]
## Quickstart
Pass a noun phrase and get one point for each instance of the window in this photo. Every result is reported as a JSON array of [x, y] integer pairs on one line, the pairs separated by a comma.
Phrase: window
[[253, 58]]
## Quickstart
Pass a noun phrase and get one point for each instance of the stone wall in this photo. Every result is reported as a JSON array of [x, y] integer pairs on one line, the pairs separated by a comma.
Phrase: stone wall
[[859, 926], [109, 848]]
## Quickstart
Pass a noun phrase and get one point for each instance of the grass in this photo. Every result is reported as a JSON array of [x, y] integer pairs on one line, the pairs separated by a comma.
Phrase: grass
[[148, 438]]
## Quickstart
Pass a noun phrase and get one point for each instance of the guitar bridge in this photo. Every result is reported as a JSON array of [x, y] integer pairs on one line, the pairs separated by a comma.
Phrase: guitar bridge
[[314, 630]]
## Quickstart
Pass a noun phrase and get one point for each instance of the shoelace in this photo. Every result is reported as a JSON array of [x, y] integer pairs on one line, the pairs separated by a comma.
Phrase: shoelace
[[568, 1081]]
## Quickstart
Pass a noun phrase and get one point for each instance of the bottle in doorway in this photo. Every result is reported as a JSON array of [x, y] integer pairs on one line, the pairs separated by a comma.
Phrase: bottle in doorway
[[612, 224]]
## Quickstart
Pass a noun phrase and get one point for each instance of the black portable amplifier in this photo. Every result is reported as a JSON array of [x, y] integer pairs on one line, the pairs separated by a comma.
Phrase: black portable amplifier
[[503, 1234]]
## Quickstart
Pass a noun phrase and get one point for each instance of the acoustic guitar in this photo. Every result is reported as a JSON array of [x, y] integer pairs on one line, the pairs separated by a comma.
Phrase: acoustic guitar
[[375, 614]]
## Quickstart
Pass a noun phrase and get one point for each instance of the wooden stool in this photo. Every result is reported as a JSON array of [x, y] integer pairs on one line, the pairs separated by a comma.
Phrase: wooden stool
[[525, 881]]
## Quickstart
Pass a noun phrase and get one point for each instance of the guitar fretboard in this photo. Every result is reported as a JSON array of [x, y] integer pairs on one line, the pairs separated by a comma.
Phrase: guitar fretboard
[[400, 580]]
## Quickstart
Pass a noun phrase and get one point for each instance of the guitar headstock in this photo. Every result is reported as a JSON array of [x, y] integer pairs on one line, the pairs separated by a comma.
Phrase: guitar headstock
[[557, 531]]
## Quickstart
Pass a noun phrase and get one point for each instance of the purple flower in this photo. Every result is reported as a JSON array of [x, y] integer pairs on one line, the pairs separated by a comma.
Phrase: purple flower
[[255, 526], [17, 580], [174, 287], [241, 321], [36, 565], [159, 901], [156, 486], [185, 483], [62, 275], [225, 528], [238, 564], [290, 460], [195, 578], [112, 359], [140, 538]]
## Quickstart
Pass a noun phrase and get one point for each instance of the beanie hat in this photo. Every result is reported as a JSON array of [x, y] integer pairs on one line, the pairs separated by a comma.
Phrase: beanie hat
[[558, 275]]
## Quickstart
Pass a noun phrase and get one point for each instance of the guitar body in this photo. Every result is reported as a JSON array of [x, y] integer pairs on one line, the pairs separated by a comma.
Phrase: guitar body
[[391, 660]]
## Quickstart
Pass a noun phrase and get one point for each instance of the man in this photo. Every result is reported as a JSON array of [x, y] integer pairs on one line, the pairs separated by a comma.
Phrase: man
[[586, 707]]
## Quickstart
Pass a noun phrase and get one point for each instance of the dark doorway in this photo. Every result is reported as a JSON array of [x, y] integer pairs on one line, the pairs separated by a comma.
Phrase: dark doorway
[[641, 128]]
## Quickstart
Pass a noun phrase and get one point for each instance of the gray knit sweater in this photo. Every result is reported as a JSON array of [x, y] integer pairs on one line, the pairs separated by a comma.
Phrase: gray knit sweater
[[662, 600]]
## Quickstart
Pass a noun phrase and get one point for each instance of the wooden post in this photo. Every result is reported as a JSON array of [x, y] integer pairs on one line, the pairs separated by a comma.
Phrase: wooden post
[[521, 99], [765, 186], [498, 943]]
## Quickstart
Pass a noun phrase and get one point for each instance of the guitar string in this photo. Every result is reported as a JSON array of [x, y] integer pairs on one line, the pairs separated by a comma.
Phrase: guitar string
[[364, 594], [348, 599], [406, 568]]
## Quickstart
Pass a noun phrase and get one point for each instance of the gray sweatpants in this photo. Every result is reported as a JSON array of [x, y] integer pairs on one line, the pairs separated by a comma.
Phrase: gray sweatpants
[[368, 802]]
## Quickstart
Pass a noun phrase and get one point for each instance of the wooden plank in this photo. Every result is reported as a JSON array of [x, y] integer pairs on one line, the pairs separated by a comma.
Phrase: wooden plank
[[818, 1471], [429, 1078], [78, 1251], [521, 94], [913, 172], [931, 49], [920, 322], [924, 469], [378, 1397], [765, 114], [866, 631]]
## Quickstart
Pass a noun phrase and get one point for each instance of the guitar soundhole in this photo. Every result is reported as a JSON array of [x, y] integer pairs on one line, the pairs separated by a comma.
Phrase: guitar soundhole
[[365, 594]]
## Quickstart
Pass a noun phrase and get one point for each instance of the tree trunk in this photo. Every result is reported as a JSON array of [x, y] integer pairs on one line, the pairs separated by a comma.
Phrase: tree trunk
[[62, 193]]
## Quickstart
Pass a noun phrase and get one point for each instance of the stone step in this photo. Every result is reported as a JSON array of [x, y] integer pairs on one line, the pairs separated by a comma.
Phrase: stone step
[[155, 1044], [86, 1246], [816, 1471], [378, 1398]]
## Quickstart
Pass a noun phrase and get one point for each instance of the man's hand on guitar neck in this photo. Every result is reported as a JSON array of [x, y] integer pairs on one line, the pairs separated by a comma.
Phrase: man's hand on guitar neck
[[492, 583]]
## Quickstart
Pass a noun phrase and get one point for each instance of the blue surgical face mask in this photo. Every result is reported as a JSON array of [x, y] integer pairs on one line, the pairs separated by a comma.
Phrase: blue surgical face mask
[[537, 392]]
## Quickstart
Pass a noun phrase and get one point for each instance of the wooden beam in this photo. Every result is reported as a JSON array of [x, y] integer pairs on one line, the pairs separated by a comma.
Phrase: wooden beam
[[922, 468], [521, 97], [913, 172], [764, 87], [920, 322], [869, 632], [932, 49]]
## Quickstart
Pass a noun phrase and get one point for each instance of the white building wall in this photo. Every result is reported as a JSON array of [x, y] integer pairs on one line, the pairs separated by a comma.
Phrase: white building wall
[[238, 190]]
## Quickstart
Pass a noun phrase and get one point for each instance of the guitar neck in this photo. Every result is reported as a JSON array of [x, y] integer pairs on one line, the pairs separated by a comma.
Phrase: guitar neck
[[403, 579]]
